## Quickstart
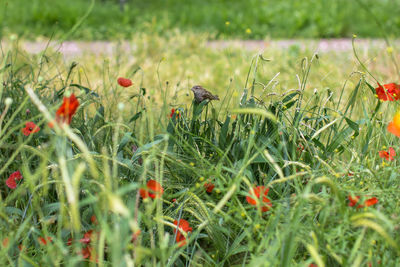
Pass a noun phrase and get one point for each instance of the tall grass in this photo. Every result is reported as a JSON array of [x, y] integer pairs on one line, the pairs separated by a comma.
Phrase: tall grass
[[311, 149]]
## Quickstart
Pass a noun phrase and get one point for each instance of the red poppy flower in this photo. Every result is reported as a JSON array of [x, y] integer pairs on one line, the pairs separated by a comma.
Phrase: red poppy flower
[[124, 82], [184, 225], [388, 155], [11, 181], [69, 242], [86, 237], [67, 110], [353, 201], [369, 202], [209, 187], [390, 91], [43, 241], [261, 193], [153, 190], [30, 128], [86, 252], [394, 126]]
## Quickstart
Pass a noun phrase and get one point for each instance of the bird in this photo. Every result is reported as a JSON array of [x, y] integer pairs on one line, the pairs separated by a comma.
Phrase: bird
[[201, 94]]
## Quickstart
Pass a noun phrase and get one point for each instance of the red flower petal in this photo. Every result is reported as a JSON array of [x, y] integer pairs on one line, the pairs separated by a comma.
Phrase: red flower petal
[[124, 82], [184, 225], [370, 202], [10, 182], [155, 189], [86, 237], [67, 109], [30, 128], [353, 200], [389, 92], [261, 193], [209, 187]]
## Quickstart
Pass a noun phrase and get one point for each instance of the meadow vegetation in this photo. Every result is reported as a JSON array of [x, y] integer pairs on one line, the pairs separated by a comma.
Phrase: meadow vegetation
[[109, 161], [110, 187]]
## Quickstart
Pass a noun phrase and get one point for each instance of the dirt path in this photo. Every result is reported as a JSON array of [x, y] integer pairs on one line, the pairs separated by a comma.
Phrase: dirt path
[[74, 49]]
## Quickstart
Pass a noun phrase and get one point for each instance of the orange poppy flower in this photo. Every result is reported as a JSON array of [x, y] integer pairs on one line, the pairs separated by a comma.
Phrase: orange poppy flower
[[153, 190], [394, 126], [184, 225], [261, 193], [67, 110], [11, 181], [209, 187], [367, 203], [390, 91], [124, 82], [30, 128], [388, 155]]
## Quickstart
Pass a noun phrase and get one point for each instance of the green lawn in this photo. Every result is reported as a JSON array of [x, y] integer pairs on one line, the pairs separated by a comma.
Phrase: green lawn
[[252, 19]]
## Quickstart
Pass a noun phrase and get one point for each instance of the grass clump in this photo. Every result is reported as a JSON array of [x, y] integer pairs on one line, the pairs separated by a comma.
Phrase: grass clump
[[91, 190]]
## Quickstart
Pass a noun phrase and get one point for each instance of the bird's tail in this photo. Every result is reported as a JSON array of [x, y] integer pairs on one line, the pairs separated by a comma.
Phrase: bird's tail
[[215, 97]]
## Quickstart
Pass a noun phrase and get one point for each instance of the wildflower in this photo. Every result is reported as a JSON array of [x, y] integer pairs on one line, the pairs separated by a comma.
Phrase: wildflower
[[388, 155], [227, 23], [394, 126], [86, 237], [184, 225], [248, 31], [135, 235], [69, 242], [313, 264], [154, 190], [367, 203], [30, 128], [209, 187], [390, 91], [260, 192], [67, 110], [43, 241], [173, 111], [124, 82], [86, 252], [11, 181]]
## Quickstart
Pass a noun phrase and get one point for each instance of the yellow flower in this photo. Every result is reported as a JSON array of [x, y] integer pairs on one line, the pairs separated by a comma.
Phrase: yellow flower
[[191, 164], [248, 31], [227, 23], [389, 49]]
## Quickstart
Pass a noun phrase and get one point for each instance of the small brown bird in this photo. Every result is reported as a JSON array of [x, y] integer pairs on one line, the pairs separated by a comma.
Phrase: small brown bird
[[201, 94]]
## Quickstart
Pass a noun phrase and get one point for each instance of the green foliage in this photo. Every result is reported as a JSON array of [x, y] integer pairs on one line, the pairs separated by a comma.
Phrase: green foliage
[[254, 19], [300, 145]]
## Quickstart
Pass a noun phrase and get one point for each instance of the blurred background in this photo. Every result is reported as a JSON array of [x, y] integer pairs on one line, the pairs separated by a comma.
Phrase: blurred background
[[219, 19]]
